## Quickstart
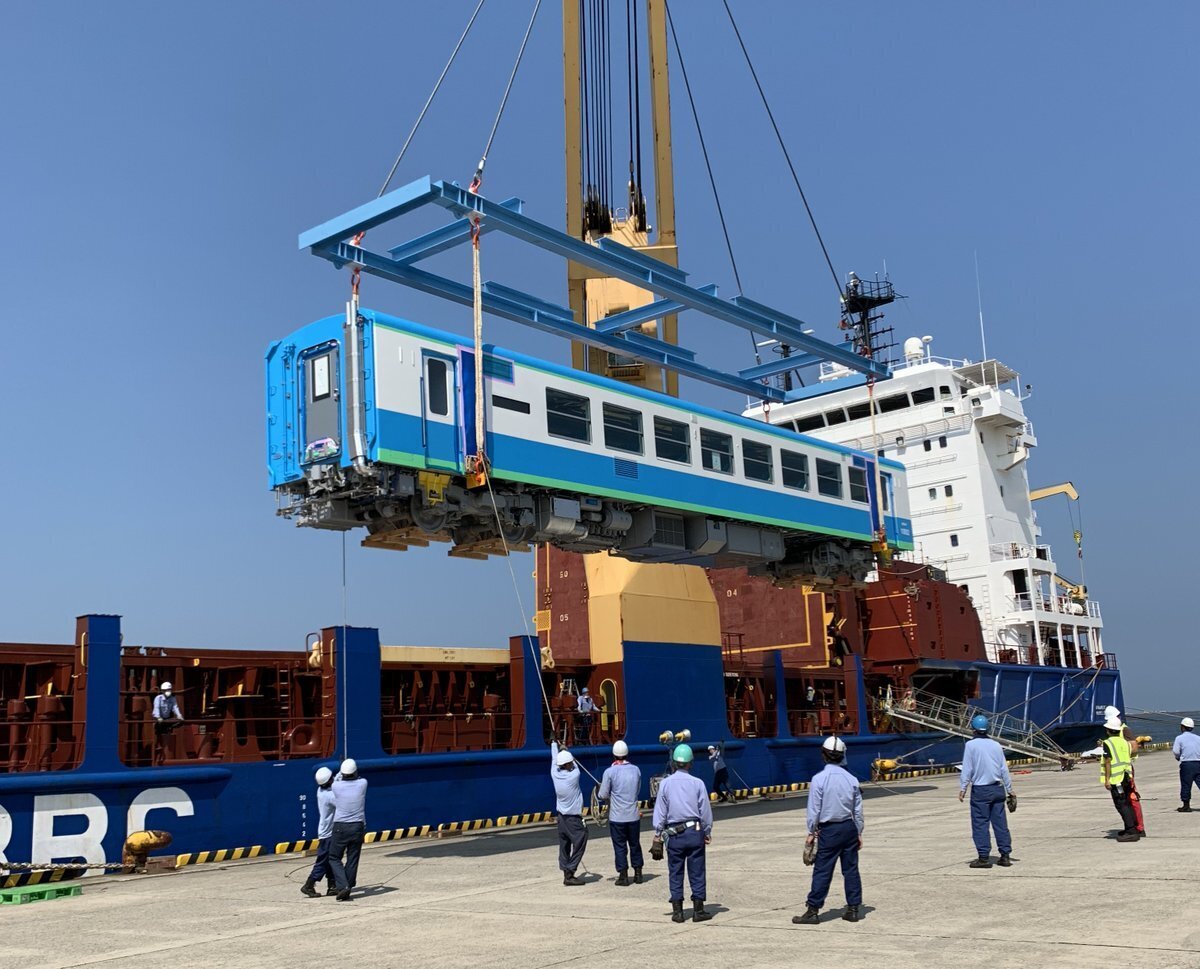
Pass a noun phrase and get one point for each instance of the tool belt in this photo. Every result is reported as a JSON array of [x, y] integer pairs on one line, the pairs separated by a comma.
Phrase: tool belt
[[679, 827]]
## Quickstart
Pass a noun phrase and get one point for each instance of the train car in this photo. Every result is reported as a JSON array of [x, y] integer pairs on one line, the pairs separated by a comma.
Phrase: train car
[[371, 422]]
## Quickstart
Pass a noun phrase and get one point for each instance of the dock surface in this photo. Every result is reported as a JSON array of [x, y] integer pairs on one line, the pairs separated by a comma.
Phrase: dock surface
[[1074, 896]]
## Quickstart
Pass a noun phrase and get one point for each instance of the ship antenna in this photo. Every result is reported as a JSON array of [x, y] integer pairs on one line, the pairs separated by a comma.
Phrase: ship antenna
[[979, 300]]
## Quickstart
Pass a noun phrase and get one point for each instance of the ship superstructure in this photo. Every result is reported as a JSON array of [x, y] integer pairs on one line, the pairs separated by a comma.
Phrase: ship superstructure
[[961, 431]]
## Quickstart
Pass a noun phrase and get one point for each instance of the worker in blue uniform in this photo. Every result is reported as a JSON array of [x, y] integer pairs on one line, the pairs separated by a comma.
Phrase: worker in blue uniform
[[835, 824], [720, 772], [167, 716], [1186, 749], [620, 785], [683, 821], [985, 772], [572, 834], [326, 807], [349, 827]]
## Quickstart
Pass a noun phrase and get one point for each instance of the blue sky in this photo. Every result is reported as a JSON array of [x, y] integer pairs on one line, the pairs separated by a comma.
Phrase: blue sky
[[160, 159]]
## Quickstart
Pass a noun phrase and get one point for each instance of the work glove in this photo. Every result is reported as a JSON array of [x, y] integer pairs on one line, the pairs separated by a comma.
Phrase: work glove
[[656, 849], [1011, 801], [810, 852]]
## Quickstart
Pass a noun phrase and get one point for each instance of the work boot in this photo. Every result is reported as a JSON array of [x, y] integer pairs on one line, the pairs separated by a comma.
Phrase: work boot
[[1127, 836], [307, 889], [698, 911], [1005, 861], [851, 914], [637, 876], [331, 890], [811, 916], [1186, 809], [570, 879], [677, 912], [344, 895], [623, 877], [981, 863]]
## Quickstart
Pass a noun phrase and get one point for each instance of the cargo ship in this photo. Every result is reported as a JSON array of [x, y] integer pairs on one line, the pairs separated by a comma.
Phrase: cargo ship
[[723, 622]]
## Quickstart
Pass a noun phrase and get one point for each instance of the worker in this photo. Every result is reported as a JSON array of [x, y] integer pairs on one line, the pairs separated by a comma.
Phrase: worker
[[1115, 767], [572, 835], [349, 827], [835, 824], [167, 716], [1135, 799], [326, 806], [720, 772], [683, 821], [620, 785], [1187, 751], [586, 707], [985, 771]]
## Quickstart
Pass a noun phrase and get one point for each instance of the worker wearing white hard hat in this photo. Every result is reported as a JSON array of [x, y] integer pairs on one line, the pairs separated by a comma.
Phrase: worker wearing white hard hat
[[572, 833], [835, 824], [1186, 749], [621, 786], [167, 716], [349, 827], [716, 756], [1116, 774], [586, 709], [1112, 713], [326, 806]]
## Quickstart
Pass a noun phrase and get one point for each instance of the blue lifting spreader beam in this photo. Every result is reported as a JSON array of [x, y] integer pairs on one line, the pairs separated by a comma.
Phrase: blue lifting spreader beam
[[618, 333]]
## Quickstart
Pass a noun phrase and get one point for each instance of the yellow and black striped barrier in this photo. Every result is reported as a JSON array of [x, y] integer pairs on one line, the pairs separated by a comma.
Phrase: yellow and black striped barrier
[[460, 827], [398, 834], [513, 820], [223, 854], [40, 877]]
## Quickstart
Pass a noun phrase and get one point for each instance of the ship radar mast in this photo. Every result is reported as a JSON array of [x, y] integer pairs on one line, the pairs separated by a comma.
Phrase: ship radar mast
[[861, 322]]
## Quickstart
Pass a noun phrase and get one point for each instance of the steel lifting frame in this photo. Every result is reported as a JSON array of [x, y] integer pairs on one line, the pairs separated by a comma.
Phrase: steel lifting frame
[[617, 334]]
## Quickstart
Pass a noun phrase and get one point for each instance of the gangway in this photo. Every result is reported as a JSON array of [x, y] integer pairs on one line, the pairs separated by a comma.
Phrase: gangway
[[938, 713]]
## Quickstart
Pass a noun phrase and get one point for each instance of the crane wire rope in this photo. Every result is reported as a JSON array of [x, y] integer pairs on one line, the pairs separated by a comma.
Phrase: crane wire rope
[[783, 147], [737, 278]]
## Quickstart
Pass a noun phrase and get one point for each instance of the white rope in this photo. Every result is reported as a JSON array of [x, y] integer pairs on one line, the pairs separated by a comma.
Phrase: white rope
[[480, 450]]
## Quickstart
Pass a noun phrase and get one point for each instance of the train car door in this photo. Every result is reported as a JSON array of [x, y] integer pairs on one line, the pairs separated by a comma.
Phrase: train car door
[[439, 412], [321, 415]]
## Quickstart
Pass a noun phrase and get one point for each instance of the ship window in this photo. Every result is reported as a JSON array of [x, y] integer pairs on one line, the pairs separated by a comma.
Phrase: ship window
[[948, 410], [945, 391], [954, 541], [794, 470], [507, 403], [893, 403], [320, 382], [835, 417], [568, 416], [810, 423], [858, 485], [923, 396], [942, 441], [1002, 491], [858, 411], [949, 491], [887, 487], [716, 451], [435, 376], [756, 461], [829, 478], [622, 429], [672, 440], [928, 445], [933, 494]]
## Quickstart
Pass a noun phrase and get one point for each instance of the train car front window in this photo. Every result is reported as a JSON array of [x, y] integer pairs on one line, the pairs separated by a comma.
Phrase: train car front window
[[794, 468], [756, 461], [622, 429], [716, 451], [568, 416], [320, 377], [672, 440], [858, 485], [829, 478]]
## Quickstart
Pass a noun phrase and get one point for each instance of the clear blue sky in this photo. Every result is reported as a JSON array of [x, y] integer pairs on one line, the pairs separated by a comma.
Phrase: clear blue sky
[[160, 159]]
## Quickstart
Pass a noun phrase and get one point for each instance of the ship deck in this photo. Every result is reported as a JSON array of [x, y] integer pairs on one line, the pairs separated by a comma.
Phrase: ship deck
[[495, 899]]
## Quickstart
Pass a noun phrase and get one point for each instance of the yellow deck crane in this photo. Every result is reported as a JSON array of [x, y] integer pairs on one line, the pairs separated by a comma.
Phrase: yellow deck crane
[[1076, 592]]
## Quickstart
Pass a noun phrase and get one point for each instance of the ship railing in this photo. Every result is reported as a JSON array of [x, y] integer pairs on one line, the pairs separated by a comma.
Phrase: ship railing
[[31, 742], [1007, 551], [223, 735], [428, 733]]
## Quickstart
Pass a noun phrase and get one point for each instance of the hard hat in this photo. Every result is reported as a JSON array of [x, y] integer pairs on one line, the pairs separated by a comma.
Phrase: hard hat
[[683, 754], [1113, 723], [979, 722], [564, 757], [349, 767], [1112, 713], [1187, 722], [620, 749], [165, 687], [585, 689], [711, 747], [324, 774], [835, 745]]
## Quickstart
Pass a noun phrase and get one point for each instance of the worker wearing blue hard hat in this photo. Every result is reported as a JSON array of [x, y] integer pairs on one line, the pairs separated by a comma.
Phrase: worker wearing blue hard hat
[[985, 772], [683, 821]]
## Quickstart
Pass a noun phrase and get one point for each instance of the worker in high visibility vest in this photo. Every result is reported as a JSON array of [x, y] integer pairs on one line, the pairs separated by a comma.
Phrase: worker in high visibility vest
[[1116, 770], [1135, 799]]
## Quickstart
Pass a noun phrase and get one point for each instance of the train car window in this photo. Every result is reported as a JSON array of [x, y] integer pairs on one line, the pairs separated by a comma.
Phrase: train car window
[[756, 461], [835, 417], [507, 403], [922, 396], [856, 412], [435, 378], [794, 470], [716, 451], [622, 428], [858, 485], [810, 423], [319, 381], [672, 440], [887, 487], [829, 478], [568, 416], [497, 368], [893, 403]]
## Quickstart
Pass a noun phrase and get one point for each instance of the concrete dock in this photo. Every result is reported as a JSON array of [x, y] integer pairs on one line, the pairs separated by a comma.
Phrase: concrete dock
[[1074, 897]]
